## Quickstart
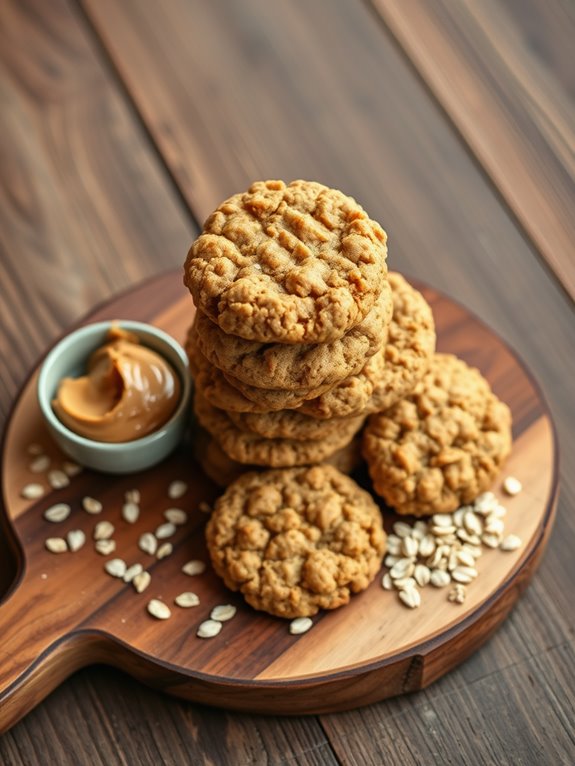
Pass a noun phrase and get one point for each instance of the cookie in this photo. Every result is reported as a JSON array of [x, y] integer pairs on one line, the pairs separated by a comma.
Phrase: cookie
[[274, 399], [300, 263], [222, 470], [288, 424], [295, 541], [442, 445], [251, 449], [394, 371], [290, 367]]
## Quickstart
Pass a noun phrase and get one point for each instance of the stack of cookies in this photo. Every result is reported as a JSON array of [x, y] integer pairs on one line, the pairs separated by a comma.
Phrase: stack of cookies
[[290, 340]]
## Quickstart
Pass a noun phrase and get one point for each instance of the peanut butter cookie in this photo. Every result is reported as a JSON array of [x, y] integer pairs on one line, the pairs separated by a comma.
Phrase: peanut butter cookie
[[442, 445], [300, 263], [251, 449], [391, 373], [288, 424], [292, 367], [295, 541]]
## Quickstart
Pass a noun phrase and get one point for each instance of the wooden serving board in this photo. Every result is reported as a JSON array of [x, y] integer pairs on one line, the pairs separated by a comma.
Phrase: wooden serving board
[[65, 612]]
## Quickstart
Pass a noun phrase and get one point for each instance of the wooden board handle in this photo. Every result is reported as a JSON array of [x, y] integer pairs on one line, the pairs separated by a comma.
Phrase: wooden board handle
[[34, 628]]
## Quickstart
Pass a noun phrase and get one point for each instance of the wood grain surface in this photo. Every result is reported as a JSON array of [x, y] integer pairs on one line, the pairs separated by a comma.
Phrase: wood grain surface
[[65, 612], [122, 124]]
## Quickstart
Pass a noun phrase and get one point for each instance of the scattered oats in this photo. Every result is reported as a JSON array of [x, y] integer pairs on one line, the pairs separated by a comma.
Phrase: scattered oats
[[56, 544], [474, 550], [490, 540], [223, 612], [132, 572], [103, 530], [439, 578], [459, 515], [510, 543], [443, 565], [402, 583], [485, 502], [187, 599], [440, 552], [204, 507], [91, 505], [427, 546], [464, 574], [419, 530], [43, 576], [58, 512], [32, 491], [105, 547], [402, 568], [394, 540], [421, 574], [76, 539], [499, 511], [467, 537], [115, 567], [465, 557], [148, 543], [131, 512], [141, 581], [58, 479], [177, 489], [164, 550], [387, 582], [165, 530], [452, 561], [439, 531], [472, 523], [390, 560], [393, 549], [132, 496], [71, 469], [409, 547], [194, 567], [176, 516], [442, 520], [512, 486], [494, 526], [159, 610], [40, 464], [402, 529], [300, 625], [457, 594], [35, 449], [209, 629], [411, 597]]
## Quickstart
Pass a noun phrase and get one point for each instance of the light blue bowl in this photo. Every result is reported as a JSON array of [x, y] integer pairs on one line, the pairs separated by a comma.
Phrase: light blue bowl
[[68, 359]]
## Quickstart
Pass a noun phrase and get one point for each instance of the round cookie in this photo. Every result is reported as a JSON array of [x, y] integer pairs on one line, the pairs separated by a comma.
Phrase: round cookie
[[222, 470], [391, 373], [442, 445], [288, 424], [295, 541], [300, 263], [292, 367], [251, 449]]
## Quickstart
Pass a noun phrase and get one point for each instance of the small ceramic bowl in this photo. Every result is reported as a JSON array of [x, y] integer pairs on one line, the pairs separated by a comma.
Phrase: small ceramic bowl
[[68, 359]]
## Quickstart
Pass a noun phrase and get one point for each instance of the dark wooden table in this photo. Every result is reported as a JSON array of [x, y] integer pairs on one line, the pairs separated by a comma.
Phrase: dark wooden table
[[453, 122]]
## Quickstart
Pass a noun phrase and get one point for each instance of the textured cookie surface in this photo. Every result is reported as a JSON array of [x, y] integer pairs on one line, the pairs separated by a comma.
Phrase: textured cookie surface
[[222, 470], [440, 447], [248, 448], [288, 424], [300, 263], [297, 540], [391, 373], [307, 366]]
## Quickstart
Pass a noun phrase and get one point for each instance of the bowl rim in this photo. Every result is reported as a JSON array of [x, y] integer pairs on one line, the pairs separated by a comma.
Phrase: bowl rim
[[95, 328]]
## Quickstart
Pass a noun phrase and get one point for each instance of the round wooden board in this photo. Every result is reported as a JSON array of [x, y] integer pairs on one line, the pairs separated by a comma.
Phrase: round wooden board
[[64, 612]]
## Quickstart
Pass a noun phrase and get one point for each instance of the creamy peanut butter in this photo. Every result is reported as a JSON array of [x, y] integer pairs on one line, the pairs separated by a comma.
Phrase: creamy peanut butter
[[129, 391]]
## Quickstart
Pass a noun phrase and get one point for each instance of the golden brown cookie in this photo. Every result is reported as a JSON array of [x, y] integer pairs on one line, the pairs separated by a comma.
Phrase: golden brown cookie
[[251, 449], [442, 445], [295, 541], [288, 424], [292, 367], [222, 470], [300, 263], [391, 373]]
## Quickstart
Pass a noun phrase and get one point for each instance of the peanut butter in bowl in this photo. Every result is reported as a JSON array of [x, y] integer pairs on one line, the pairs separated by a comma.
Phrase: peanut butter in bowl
[[128, 391]]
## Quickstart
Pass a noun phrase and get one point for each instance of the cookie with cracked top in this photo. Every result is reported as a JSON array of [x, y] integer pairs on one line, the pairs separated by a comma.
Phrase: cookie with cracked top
[[440, 447], [295, 263], [297, 540]]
